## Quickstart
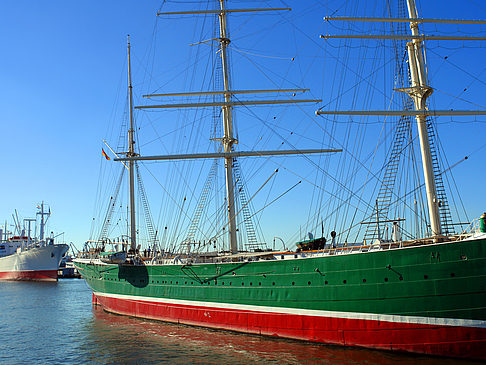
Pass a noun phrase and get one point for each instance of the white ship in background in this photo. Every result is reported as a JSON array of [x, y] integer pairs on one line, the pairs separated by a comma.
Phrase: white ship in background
[[27, 257]]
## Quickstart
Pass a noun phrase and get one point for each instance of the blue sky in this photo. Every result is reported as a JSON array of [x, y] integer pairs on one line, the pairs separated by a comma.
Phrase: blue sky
[[63, 68]]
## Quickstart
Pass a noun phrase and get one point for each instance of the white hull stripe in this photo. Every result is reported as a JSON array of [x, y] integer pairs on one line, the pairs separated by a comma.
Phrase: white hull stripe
[[430, 321]]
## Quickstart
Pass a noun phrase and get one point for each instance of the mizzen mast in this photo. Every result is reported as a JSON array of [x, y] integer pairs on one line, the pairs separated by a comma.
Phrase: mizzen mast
[[419, 92]]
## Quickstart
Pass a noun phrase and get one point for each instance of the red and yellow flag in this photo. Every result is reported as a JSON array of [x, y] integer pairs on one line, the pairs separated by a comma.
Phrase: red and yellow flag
[[104, 154]]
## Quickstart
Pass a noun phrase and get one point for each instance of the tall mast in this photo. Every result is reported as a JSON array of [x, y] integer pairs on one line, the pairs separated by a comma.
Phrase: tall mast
[[419, 92], [227, 139], [131, 153]]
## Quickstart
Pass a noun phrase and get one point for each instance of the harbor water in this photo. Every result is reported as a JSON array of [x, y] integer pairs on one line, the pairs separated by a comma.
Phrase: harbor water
[[55, 323]]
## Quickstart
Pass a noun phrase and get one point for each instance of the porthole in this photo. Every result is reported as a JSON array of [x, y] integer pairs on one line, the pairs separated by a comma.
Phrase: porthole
[[273, 283], [242, 283], [251, 284], [308, 283], [260, 284], [364, 280], [326, 282], [293, 282], [452, 274], [386, 279], [344, 281], [426, 277]]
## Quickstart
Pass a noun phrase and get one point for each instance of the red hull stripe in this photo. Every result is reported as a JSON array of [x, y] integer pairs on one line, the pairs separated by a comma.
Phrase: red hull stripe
[[42, 275], [457, 341], [430, 321]]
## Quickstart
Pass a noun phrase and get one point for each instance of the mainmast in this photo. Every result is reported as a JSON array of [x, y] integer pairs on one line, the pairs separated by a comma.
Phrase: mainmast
[[419, 92], [227, 139], [131, 153]]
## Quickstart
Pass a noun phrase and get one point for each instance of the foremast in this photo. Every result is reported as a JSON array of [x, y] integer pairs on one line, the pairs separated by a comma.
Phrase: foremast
[[131, 153]]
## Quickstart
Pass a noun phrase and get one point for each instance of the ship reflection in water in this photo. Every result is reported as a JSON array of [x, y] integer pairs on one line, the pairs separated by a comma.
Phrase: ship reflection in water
[[55, 323], [120, 339]]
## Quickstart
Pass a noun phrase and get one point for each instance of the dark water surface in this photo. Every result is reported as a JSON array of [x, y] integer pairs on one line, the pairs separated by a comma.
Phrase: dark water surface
[[55, 323]]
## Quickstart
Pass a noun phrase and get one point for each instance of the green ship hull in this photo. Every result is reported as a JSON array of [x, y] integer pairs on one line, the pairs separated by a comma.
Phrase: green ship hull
[[428, 299]]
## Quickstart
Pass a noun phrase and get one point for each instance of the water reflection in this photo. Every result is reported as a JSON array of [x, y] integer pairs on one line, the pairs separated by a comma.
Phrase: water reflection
[[120, 339], [55, 323]]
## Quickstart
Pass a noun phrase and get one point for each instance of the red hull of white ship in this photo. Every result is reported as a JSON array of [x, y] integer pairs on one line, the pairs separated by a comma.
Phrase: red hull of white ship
[[41, 275], [40, 263], [348, 329]]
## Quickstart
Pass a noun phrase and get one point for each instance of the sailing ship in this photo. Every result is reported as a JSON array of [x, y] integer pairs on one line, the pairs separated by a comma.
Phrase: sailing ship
[[26, 257], [390, 291]]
